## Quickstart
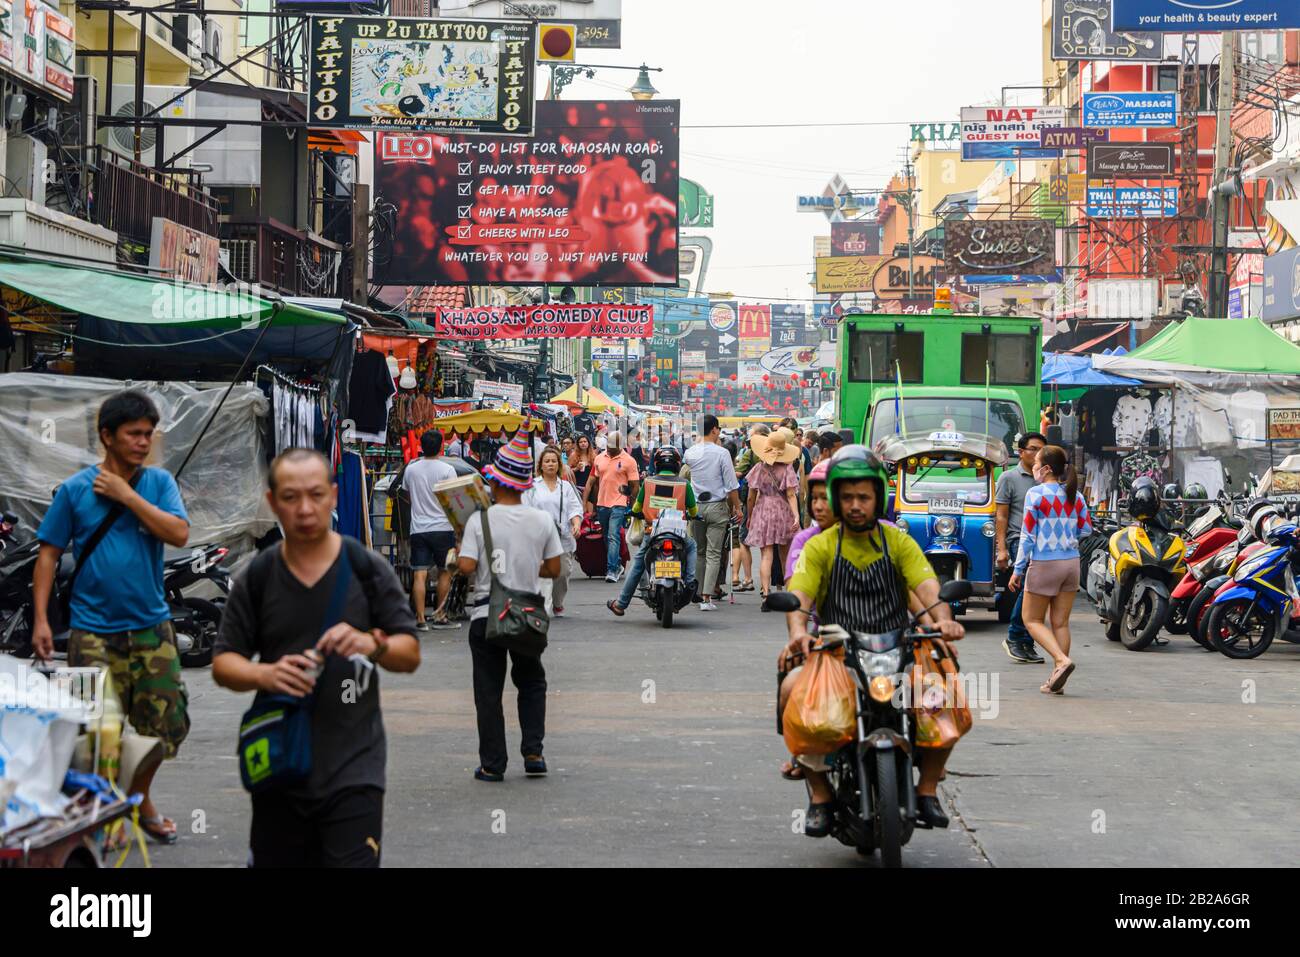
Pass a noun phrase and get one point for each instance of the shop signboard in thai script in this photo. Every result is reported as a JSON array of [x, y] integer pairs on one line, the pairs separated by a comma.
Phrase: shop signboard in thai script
[[480, 323], [487, 210], [1206, 16], [1130, 160], [1127, 110], [179, 252], [1083, 31], [1008, 132], [390, 73], [1021, 247]]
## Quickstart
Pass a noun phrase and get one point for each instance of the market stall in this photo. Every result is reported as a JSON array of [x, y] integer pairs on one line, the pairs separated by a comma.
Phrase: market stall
[[593, 400]]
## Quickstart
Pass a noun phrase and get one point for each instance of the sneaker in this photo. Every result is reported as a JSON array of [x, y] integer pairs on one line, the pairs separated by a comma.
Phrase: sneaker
[[613, 577], [422, 626], [559, 611], [1016, 651], [618, 575], [708, 606], [534, 765], [443, 624], [1033, 657]]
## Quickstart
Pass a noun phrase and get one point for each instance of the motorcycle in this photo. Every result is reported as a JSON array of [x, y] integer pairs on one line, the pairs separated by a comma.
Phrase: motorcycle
[[872, 776], [1143, 561], [664, 587], [196, 621], [1255, 605], [1209, 534]]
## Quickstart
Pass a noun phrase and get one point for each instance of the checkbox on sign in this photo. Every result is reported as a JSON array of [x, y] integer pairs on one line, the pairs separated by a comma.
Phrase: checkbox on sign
[[463, 169], [463, 212], [463, 232], [466, 189]]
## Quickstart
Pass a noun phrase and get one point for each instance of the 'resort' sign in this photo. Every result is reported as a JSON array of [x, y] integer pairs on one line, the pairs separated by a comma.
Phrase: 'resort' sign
[[1000, 247], [393, 73]]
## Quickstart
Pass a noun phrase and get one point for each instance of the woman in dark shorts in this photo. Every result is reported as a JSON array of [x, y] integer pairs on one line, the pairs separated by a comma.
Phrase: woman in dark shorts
[[1056, 517]]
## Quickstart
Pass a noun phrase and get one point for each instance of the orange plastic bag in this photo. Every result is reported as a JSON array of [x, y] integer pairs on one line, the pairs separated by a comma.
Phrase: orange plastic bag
[[821, 712], [938, 699]]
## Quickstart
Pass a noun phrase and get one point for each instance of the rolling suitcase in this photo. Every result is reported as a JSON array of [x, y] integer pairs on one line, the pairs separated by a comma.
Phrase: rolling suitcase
[[591, 547]]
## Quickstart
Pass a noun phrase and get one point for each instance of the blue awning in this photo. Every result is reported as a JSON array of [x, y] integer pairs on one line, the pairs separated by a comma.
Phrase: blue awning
[[1068, 371]]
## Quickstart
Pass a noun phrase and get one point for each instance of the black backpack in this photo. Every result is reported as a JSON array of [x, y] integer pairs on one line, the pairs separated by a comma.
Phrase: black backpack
[[259, 570]]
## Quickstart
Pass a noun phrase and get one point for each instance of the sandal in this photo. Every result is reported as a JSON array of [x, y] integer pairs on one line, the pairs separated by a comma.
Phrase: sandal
[[791, 771], [614, 606], [818, 821], [735, 584], [1060, 676], [159, 829], [748, 586]]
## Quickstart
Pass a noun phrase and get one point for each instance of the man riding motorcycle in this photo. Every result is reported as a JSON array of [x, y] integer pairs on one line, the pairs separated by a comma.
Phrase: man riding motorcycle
[[873, 567], [665, 483]]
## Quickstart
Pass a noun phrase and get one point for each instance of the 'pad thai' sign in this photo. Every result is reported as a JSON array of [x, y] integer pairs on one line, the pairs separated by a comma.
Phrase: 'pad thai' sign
[[549, 322]]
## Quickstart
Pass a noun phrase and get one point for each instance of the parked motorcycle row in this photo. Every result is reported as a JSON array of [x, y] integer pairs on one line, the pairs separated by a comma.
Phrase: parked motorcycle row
[[194, 620], [1226, 580]]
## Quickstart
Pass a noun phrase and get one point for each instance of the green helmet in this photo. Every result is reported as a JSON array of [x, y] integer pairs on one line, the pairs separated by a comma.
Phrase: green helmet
[[853, 463]]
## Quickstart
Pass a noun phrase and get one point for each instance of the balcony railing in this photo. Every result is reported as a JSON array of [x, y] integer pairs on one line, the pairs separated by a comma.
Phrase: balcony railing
[[128, 195], [286, 260]]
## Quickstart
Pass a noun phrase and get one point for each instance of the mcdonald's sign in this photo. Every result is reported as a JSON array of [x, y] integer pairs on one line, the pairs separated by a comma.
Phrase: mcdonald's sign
[[755, 322]]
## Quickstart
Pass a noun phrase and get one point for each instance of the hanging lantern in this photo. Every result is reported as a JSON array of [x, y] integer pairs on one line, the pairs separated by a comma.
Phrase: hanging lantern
[[654, 380]]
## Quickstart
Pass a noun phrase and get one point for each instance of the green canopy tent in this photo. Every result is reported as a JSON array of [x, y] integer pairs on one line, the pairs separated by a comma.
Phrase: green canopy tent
[[1233, 346]]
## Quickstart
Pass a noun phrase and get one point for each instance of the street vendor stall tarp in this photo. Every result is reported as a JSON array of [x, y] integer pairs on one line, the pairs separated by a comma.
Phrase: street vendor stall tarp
[[1069, 371], [1243, 346], [148, 300], [593, 400], [484, 420]]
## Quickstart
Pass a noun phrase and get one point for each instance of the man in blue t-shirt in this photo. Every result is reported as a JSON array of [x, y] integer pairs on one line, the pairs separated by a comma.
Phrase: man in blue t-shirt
[[119, 615]]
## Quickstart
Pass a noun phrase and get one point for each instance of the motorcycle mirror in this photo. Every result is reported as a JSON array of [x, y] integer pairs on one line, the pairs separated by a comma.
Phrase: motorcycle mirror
[[781, 601], [954, 590]]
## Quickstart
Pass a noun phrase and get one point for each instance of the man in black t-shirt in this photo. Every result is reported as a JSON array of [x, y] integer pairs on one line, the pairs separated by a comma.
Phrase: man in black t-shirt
[[276, 613]]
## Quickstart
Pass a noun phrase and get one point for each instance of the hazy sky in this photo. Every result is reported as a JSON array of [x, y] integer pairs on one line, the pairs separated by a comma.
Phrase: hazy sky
[[816, 61]]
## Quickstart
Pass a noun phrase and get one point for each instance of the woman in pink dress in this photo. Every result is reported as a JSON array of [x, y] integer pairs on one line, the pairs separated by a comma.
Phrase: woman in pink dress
[[773, 499]]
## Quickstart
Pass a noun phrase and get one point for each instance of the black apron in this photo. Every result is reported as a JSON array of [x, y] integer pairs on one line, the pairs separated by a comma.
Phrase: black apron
[[870, 600]]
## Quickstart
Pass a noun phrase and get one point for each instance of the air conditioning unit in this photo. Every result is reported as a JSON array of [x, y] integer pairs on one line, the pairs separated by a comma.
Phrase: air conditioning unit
[[121, 139], [187, 36], [213, 44]]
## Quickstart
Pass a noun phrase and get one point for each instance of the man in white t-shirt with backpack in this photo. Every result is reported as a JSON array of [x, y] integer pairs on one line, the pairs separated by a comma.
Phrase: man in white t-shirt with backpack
[[432, 534]]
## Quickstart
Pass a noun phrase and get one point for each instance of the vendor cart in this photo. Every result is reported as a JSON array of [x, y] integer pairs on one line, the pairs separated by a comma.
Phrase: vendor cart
[[66, 841]]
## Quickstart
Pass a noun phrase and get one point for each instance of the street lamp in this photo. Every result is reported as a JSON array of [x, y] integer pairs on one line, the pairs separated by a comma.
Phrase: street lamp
[[643, 89]]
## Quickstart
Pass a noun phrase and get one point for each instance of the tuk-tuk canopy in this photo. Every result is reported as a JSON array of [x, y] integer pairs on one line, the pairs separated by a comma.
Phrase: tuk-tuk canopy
[[894, 448]]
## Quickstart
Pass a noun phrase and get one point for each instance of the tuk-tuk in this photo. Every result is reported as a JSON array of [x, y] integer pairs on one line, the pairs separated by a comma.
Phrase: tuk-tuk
[[942, 496]]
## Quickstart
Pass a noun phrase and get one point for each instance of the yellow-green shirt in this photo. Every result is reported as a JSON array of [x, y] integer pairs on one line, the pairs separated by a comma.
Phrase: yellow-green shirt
[[812, 571]]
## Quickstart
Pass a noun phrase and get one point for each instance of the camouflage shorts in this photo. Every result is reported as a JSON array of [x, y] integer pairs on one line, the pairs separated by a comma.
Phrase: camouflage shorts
[[146, 670]]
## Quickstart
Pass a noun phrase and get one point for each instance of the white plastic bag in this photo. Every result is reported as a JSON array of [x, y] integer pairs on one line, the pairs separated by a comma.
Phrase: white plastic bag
[[36, 745]]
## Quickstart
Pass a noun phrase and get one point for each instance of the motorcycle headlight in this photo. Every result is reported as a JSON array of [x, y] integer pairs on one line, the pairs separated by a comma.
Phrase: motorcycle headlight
[[945, 526], [881, 664], [1253, 566], [989, 529]]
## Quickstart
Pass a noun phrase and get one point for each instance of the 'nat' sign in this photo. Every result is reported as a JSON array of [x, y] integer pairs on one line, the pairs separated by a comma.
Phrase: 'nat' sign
[[1008, 132]]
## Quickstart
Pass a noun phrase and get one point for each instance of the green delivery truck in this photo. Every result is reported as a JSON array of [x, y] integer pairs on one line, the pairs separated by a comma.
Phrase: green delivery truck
[[939, 372]]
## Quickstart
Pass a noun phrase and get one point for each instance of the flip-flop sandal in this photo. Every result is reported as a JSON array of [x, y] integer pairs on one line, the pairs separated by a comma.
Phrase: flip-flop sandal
[[1057, 681], [791, 771], [612, 605], [748, 586], [159, 829]]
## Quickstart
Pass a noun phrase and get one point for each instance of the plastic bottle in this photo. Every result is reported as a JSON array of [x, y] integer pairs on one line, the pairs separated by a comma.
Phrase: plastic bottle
[[109, 731]]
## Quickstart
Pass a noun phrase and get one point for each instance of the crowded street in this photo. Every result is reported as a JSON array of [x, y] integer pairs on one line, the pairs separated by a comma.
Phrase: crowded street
[[1162, 744], [648, 434]]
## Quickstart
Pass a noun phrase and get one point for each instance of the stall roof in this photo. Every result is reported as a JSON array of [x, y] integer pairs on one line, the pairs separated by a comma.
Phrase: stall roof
[[148, 300], [1065, 370], [485, 420], [1222, 345], [593, 399]]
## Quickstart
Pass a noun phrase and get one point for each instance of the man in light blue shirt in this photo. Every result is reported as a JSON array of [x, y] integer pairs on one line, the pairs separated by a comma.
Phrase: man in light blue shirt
[[119, 617]]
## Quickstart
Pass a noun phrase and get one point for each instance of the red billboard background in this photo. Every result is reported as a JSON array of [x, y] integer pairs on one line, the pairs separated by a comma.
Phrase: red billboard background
[[591, 199]]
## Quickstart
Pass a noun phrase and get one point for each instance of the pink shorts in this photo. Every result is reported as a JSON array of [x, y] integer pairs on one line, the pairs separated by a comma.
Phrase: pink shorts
[[1052, 577]]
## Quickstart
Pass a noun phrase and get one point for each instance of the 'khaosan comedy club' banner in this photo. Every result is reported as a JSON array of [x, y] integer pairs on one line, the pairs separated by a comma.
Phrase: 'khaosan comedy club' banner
[[550, 322], [590, 199]]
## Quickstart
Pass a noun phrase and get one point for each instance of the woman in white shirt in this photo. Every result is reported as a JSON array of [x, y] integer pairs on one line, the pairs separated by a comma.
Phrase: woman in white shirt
[[555, 496]]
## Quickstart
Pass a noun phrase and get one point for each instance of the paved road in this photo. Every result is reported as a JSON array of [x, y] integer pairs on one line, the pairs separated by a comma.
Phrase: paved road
[[663, 752]]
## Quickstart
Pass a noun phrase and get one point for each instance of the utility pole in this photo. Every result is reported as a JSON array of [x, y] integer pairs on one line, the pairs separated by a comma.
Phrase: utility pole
[[1221, 189], [911, 231]]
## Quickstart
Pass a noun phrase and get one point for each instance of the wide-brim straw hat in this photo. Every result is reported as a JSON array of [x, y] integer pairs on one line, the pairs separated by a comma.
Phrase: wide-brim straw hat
[[780, 446]]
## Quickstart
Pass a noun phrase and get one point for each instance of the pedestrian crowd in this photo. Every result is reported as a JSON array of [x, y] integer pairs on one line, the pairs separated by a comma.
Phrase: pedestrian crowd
[[314, 618]]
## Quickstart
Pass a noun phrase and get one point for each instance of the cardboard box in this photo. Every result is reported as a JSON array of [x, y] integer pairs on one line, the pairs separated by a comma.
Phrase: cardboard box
[[460, 498]]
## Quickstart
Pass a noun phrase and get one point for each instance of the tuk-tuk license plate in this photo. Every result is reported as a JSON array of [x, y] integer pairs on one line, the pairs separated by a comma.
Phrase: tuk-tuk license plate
[[946, 506], [668, 569]]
